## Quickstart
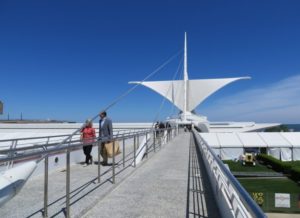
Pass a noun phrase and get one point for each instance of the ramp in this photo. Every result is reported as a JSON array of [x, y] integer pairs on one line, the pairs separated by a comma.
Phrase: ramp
[[170, 184]]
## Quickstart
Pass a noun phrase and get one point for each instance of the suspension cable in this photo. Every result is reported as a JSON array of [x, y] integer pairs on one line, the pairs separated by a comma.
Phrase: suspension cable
[[164, 99], [126, 93], [119, 98], [180, 68]]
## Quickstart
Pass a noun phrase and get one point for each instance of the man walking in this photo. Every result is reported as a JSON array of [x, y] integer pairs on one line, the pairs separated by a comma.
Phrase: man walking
[[106, 134]]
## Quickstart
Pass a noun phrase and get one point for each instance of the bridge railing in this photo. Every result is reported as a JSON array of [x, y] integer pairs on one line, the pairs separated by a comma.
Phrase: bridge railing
[[25, 141], [19, 146], [233, 200], [43, 151]]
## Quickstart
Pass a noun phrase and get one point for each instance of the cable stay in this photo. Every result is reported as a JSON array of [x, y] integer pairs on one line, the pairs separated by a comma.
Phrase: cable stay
[[122, 96], [164, 98], [172, 109]]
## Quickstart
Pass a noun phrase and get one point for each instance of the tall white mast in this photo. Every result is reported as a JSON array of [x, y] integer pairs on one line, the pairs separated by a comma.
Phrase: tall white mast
[[185, 77]]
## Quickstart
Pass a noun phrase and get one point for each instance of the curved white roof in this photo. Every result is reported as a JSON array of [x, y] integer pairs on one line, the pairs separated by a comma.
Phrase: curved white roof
[[292, 137], [197, 90], [253, 139]]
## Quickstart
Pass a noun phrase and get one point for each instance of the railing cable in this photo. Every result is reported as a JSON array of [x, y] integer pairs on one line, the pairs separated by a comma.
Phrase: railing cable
[[119, 98], [164, 98]]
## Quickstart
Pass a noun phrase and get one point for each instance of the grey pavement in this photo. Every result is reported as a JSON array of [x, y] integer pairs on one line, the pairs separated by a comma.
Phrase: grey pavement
[[160, 188], [85, 189], [170, 183], [201, 199], [282, 215]]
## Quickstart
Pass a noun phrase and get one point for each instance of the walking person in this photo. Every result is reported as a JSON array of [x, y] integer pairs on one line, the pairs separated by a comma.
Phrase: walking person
[[105, 133], [156, 127], [161, 129], [169, 130], [88, 135]]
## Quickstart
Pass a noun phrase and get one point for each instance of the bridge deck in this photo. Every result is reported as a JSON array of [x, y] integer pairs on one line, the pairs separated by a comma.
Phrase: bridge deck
[[171, 183]]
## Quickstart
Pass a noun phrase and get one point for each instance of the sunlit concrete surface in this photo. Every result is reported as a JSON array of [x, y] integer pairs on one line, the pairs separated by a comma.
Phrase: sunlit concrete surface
[[162, 187]]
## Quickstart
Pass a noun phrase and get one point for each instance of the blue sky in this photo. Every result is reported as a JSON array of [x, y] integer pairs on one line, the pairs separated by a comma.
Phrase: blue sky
[[69, 59]]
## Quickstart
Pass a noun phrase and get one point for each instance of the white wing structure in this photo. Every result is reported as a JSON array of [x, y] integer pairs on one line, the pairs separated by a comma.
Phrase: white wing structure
[[197, 90], [187, 94], [13, 180]]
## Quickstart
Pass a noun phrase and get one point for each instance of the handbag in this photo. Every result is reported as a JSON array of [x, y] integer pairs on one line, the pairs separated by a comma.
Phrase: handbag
[[109, 149]]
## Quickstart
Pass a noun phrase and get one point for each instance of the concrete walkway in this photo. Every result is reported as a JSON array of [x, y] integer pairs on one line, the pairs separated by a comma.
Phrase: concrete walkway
[[160, 188], [282, 215], [170, 183], [85, 189]]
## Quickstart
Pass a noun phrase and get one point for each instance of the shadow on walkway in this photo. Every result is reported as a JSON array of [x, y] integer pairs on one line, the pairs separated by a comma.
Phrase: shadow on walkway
[[200, 198]]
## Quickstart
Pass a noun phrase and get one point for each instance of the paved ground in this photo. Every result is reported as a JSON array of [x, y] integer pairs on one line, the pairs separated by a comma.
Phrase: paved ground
[[157, 189], [282, 215], [85, 189], [201, 199], [167, 185], [170, 183]]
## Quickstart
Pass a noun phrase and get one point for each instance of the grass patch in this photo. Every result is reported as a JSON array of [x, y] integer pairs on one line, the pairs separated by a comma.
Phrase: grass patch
[[270, 185], [294, 163], [238, 167], [263, 192]]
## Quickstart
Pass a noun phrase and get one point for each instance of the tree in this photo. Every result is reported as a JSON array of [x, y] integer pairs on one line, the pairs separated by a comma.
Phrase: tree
[[281, 128]]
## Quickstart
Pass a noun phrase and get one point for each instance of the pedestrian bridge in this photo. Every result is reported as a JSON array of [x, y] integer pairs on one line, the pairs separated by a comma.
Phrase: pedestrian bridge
[[179, 176]]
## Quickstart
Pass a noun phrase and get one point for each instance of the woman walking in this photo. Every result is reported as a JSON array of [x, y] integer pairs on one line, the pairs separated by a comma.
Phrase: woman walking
[[88, 135]]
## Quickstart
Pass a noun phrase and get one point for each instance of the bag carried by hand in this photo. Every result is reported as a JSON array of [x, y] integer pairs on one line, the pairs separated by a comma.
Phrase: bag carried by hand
[[109, 149]]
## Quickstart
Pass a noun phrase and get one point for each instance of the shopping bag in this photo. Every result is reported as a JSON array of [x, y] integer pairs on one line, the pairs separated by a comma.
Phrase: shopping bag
[[109, 149]]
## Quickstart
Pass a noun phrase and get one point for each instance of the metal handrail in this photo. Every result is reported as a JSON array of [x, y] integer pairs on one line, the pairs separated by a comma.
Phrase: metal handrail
[[241, 194], [65, 135], [70, 146], [31, 138], [42, 150], [46, 140]]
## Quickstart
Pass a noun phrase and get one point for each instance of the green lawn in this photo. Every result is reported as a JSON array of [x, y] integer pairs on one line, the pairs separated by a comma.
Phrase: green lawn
[[238, 167], [263, 192], [294, 163], [270, 185]]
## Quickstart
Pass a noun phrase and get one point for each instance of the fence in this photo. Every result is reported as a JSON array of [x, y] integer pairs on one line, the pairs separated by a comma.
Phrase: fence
[[45, 146], [233, 200]]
